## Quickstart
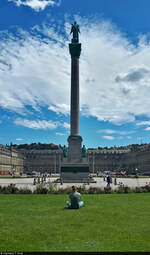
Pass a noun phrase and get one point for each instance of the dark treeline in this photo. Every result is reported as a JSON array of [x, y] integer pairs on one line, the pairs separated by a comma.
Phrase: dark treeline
[[51, 146], [36, 146], [132, 147]]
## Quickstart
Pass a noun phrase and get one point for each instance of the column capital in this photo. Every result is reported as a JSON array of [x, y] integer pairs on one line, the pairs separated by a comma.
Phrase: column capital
[[75, 49], [75, 138]]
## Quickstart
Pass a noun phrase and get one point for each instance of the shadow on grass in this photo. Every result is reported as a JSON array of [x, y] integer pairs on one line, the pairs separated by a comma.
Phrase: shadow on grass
[[67, 208]]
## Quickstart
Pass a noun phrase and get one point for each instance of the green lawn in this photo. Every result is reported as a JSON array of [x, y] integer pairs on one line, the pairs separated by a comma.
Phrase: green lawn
[[108, 222]]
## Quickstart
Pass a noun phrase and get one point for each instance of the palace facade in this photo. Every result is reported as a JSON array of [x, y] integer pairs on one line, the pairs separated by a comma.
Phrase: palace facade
[[18, 161], [11, 161]]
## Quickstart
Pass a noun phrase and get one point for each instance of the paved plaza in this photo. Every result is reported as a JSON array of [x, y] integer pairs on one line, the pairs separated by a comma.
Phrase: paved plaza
[[28, 182]]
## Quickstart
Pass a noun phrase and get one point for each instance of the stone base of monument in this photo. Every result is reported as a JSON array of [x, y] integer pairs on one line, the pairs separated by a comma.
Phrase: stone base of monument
[[74, 149], [75, 173]]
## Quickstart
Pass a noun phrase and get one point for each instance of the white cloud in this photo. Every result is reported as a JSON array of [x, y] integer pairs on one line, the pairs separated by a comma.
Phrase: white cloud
[[41, 124], [143, 123], [19, 139], [37, 5], [112, 131], [38, 73], [108, 137], [60, 108], [147, 129], [37, 124], [134, 75], [114, 74], [60, 134], [107, 131], [66, 125], [109, 55]]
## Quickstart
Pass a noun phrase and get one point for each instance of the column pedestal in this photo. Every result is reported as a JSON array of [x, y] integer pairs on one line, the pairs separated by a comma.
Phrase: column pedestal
[[74, 150]]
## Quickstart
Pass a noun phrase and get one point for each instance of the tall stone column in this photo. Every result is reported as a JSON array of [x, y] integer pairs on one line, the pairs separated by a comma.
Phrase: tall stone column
[[75, 140], [74, 167], [74, 113]]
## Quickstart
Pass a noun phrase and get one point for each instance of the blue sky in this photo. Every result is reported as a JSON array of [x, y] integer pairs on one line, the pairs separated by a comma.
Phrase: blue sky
[[114, 71]]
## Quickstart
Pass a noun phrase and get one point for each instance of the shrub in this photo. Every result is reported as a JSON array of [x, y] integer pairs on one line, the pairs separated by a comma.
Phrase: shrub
[[107, 189], [24, 191], [11, 189], [41, 189], [86, 191], [91, 190], [126, 189], [94, 190], [144, 190], [138, 190], [61, 191], [82, 189], [1, 188], [147, 187], [53, 188], [120, 190], [67, 190], [100, 191]]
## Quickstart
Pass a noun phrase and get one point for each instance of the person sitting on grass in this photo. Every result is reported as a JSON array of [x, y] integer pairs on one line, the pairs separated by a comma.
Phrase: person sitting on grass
[[75, 199]]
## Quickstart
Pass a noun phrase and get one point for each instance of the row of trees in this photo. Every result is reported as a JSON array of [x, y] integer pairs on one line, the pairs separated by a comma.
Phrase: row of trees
[[36, 146], [132, 147], [51, 146]]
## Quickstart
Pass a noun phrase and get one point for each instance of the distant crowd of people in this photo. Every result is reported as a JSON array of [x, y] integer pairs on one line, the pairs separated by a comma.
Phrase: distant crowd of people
[[39, 179]]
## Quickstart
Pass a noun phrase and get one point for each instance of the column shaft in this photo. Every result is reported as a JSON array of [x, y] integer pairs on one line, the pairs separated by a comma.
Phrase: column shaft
[[75, 104]]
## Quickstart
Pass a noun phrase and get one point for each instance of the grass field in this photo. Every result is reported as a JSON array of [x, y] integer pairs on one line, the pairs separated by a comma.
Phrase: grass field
[[108, 222]]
